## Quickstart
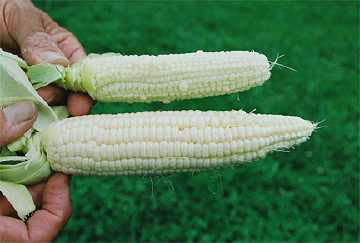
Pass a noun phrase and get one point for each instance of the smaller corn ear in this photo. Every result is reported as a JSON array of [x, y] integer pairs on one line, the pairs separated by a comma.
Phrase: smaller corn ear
[[165, 78], [165, 142]]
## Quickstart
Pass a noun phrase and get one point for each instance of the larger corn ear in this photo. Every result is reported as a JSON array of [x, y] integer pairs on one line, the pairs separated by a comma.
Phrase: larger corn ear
[[114, 77], [165, 142]]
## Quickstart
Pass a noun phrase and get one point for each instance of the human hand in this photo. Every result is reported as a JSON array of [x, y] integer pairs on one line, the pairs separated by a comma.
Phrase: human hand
[[44, 224], [27, 31], [52, 197]]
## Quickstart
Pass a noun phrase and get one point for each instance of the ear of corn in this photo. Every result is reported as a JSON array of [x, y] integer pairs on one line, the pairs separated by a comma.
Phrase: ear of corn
[[141, 143], [114, 77], [164, 142]]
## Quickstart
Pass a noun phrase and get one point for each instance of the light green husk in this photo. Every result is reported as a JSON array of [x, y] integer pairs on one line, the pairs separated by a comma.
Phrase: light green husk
[[32, 167], [43, 74], [15, 87], [19, 197]]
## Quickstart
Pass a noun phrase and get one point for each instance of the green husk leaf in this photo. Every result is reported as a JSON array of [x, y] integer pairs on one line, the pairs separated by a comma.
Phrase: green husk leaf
[[29, 169], [15, 87], [15, 58], [19, 197], [16, 169], [61, 112], [11, 158], [32, 167], [20, 144], [4, 151], [41, 75]]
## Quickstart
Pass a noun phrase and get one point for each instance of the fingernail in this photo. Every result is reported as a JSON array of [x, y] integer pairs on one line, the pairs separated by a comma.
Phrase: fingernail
[[20, 112], [53, 57]]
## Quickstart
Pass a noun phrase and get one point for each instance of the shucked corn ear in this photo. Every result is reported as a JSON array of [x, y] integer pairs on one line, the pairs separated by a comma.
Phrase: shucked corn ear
[[164, 142], [142, 143], [114, 77]]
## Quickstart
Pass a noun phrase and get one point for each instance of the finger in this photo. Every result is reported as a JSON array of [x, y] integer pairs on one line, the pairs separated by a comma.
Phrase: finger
[[46, 223], [36, 191], [66, 41], [15, 120], [25, 24], [38, 47], [79, 104], [53, 95], [12, 230], [9, 29]]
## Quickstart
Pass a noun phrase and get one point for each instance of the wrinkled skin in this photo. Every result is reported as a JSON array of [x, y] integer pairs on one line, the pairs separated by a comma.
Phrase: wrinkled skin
[[32, 34], [28, 31]]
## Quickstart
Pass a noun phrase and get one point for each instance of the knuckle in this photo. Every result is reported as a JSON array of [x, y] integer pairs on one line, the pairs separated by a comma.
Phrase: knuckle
[[61, 218], [68, 41], [69, 36], [37, 40], [55, 29]]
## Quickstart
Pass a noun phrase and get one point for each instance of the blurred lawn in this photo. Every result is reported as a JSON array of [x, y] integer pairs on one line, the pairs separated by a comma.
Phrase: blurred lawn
[[309, 194]]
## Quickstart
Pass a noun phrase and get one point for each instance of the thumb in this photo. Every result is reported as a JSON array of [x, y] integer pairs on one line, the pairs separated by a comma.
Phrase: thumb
[[26, 26], [15, 120]]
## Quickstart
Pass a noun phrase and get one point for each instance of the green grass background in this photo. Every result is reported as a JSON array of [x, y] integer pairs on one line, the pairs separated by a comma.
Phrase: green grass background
[[309, 194]]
